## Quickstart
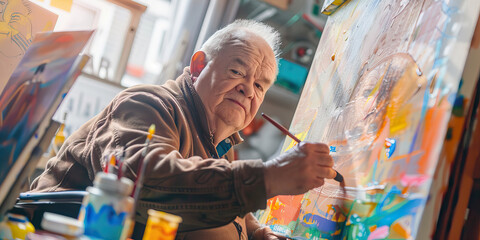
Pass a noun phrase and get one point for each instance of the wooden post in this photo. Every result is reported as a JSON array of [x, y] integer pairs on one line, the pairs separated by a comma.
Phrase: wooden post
[[136, 10]]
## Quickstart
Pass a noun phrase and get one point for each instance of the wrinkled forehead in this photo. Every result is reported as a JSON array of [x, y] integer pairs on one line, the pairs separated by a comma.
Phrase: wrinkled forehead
[[255, 49]]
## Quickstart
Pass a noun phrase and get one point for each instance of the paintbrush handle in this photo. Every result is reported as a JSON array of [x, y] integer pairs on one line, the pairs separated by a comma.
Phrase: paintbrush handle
[[280, 127], [338, 177]]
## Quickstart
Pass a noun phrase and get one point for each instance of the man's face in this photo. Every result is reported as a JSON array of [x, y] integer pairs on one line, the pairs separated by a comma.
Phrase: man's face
[[3, 5], [233, 84]]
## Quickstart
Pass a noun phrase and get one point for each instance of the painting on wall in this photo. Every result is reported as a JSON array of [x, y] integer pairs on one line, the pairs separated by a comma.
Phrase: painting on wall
[[19, 21], [380, 93], [32, 95]]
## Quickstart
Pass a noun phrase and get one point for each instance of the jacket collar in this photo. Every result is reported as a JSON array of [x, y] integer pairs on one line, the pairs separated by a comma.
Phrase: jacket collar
[[195, 105]]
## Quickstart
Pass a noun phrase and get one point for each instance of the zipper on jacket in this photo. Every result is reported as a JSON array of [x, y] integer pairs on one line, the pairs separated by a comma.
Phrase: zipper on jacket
[[211, 138], [239, 229], [213, 151]]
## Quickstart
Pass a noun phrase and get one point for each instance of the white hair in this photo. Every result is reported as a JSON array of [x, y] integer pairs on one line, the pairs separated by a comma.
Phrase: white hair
[[214, 44]]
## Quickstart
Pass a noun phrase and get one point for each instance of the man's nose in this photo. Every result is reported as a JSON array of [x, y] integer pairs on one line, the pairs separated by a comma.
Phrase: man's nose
[[245, 89]]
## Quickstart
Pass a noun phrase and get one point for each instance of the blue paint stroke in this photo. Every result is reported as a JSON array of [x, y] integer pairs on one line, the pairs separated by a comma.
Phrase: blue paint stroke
[[319, 223], [392, 144], [437, 64], [382, 216], [106, 224], [385, 213], [333, 149]]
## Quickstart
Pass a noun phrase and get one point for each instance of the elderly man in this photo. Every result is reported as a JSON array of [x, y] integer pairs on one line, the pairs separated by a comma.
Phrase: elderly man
[[190, 169]]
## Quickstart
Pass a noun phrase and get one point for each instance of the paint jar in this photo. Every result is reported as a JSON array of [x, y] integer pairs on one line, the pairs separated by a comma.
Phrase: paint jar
[[15, 226], [161, 226], [107, 209], [58, 227]]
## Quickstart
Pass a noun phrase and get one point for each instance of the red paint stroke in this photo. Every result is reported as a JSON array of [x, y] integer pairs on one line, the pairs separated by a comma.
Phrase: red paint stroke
[[413, 180]]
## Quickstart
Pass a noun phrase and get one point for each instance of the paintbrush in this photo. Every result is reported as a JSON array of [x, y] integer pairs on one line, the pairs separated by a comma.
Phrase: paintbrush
[[141, 167], [338, 177], [112, 163], [120, 165], [105, 169]]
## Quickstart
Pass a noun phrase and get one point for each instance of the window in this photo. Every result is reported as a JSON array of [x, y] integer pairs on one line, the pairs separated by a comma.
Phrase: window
[[112, 24], [145, 64]]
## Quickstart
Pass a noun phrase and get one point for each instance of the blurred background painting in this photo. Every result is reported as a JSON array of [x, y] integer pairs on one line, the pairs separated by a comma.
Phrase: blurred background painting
[[33, 93]]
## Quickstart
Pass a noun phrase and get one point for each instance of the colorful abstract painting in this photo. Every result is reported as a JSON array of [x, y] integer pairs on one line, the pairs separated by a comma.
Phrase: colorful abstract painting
[[380, 93], [32, 95], [19, 21]]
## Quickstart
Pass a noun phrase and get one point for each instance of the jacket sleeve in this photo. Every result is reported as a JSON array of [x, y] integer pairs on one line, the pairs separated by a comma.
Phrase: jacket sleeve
[[205, 192]]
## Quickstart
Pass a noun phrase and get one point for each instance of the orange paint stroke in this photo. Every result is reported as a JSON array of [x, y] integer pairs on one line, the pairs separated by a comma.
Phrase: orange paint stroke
[[400, 231], [434, 120], [282, 210], [343, 142], [408, 156]]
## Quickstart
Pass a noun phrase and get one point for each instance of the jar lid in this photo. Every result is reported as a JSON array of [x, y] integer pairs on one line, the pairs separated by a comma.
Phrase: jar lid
[[17, 218], [110, 182], [163, 215], [62, 224]]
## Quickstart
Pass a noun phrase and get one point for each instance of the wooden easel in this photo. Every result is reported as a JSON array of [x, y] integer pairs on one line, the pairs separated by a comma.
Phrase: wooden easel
[[464, 183]]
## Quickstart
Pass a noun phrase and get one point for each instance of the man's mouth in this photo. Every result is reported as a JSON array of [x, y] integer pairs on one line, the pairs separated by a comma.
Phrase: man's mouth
[[241, 105]]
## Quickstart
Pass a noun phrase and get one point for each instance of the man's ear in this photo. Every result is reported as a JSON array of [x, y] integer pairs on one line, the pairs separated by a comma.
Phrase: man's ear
[[198, 63]]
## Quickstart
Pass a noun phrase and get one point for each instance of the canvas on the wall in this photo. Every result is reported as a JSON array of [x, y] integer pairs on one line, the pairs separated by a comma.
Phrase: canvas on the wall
[[32, 95], [19, 21], [380, 92]]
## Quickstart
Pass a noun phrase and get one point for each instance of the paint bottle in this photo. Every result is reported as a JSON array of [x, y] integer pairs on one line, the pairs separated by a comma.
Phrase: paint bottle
[[15, 226], [59, 138], [161, 226], [107, 209], [59, 227]]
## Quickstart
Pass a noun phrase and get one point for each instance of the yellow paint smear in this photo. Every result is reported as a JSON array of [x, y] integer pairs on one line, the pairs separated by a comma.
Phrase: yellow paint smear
[[65, 5], [379, 82], [300, 136], [407, 86], [48, 26]]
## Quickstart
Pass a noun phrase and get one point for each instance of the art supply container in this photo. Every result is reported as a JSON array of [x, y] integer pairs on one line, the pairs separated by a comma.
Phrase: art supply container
[[15, 226], [58, 227], [161, 226], [107, 209]]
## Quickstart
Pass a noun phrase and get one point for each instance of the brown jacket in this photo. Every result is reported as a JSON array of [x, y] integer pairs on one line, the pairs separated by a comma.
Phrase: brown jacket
[[184, 174]]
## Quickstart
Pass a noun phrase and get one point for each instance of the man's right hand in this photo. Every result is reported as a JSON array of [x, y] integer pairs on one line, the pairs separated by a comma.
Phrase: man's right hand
[[303, 167]]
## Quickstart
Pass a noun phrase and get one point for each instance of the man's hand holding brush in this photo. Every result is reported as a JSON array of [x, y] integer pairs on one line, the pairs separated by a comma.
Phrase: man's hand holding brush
[[301, 168]]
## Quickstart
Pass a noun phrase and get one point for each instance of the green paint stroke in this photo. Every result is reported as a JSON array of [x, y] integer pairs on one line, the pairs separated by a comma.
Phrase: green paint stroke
[[388, 208]]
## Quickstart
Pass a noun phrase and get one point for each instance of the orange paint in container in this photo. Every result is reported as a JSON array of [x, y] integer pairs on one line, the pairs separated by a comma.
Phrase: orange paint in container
[[161, 226]]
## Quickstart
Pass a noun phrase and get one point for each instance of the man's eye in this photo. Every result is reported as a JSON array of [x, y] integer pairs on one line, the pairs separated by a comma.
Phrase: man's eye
[[236, 72], [257, 85]]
